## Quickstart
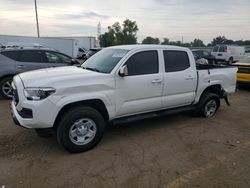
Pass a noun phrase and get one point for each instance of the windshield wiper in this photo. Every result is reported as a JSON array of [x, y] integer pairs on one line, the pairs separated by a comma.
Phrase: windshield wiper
[[92, 69]]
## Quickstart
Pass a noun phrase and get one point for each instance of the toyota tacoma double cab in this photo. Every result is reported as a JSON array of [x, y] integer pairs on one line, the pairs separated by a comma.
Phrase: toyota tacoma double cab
[[118, 84]]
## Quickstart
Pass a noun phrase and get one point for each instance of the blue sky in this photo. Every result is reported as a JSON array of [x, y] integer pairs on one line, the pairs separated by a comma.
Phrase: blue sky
[[173, 19]]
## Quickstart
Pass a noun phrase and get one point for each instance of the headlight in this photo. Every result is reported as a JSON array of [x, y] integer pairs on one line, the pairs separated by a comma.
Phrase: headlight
[[36, 94]]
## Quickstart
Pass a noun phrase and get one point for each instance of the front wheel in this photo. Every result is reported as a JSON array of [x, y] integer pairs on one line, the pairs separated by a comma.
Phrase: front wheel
[[5, 86], [230, 61], [80, 129]]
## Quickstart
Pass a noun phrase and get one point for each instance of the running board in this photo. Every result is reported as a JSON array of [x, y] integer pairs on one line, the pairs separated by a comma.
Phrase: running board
[[138, 117]]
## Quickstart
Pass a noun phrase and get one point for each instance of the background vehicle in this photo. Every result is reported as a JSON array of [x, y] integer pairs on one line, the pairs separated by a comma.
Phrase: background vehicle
[[243, 74], [90, 52], [228, 53], [81, 53], [17, 60], [118, 84], [204, 54]]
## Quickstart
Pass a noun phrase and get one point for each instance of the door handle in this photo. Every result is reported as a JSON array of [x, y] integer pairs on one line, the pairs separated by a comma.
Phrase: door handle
[[156, 81], [21, 66], [189, 78]]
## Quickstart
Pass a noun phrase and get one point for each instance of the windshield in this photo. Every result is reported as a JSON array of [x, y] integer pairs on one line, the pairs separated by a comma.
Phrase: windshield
[[105, 60], [215, 49]]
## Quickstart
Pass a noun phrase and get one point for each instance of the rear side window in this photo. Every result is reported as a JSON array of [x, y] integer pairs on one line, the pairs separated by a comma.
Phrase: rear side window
[[215, 49], [143, 63], [176, 61], [32, 56], [11, 54]]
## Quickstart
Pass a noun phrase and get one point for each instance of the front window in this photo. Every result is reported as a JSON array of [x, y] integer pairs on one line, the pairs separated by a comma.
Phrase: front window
[[143, 63], [105, 60], [54, 57]]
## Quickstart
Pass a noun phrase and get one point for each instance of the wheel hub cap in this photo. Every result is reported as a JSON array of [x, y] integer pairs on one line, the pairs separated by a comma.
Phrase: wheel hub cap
[[82, 131], [210, 108], [6, 88]]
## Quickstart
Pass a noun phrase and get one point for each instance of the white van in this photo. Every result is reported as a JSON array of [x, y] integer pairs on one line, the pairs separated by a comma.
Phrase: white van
[[228, 53]]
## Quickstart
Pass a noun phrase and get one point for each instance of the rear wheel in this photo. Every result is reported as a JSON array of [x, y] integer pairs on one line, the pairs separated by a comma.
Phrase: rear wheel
[[80, 129], [5, 87], [208, 105]]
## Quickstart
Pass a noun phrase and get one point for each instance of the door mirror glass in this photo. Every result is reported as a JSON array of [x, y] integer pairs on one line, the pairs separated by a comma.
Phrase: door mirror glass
[[123, 71]]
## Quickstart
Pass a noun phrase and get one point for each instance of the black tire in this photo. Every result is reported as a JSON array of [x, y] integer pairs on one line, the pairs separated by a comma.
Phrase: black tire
[[207, 100], [231, 60], [44, 133], [3, 92], [74, 116]]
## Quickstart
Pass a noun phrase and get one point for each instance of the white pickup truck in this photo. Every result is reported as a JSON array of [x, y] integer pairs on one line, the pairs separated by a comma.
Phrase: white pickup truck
[[118, 84]]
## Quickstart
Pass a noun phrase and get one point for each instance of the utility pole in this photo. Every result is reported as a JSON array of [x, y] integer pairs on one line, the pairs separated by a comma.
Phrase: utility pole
[[37, 24], [98, 34]]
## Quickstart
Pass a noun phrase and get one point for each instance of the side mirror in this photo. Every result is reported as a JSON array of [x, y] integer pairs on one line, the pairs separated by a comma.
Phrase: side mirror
[[123, 71]]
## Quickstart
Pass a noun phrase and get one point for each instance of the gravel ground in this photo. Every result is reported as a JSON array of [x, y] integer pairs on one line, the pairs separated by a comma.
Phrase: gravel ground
[[172, 152]]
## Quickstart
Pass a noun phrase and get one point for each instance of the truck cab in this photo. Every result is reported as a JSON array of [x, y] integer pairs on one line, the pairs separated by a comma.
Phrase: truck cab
[[117, 84]]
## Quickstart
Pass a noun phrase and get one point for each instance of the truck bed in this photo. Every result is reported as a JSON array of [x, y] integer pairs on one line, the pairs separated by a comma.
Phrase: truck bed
[[209, 66], [223, 75]]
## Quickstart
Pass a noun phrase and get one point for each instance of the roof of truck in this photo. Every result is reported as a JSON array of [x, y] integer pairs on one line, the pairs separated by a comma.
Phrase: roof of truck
[[146, 46]]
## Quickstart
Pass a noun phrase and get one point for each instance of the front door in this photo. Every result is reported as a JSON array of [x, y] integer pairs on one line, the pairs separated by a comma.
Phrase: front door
[[141, 90]]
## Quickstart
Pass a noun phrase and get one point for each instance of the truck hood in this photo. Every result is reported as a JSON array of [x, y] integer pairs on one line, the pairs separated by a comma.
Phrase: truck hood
[[60, 77]]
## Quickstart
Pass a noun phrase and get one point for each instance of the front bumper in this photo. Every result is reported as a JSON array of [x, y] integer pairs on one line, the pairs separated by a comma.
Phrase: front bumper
[[32, 114], [15, 115]]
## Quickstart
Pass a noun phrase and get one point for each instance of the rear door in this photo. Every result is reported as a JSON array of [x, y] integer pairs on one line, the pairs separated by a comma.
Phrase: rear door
[[180, 78], [30, 60]]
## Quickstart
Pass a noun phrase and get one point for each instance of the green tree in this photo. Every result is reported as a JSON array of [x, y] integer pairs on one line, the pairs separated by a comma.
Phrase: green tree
[[117, 34], [165, 41], [197, 43], [218, 40], [151, 40]]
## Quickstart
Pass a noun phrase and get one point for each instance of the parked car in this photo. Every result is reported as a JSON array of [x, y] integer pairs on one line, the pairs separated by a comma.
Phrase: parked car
[[243, 74], [2, 47], [228, 53], [118, 84], [81, 53], [91, 52], [199, 54], [16, 60]]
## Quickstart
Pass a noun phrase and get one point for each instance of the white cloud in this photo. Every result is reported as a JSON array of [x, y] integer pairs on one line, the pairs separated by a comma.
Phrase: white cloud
[[173, 19]]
